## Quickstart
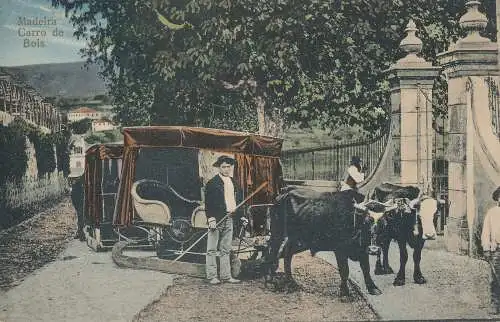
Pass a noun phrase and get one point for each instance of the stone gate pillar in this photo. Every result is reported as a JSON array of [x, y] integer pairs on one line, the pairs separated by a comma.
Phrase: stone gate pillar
[[411, 79], [467, 64]]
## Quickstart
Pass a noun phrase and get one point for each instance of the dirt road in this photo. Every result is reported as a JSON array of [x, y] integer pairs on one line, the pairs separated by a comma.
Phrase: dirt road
[[96, 285], [194, 300]]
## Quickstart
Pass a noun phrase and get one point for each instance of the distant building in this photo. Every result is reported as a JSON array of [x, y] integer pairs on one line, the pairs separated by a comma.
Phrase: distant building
[[77, 154], [83, 113], [102, 125]]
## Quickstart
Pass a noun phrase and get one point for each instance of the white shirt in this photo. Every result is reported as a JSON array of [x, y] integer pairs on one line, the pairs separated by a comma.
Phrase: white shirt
[[229, 193], [356, 176], [490, 238]]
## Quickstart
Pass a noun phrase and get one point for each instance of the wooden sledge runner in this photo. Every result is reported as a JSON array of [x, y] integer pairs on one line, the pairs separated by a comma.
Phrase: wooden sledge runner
[[155, 264]]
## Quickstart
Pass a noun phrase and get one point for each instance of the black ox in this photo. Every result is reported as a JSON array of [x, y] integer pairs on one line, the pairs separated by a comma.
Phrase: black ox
[[402, 225], [304, 219]]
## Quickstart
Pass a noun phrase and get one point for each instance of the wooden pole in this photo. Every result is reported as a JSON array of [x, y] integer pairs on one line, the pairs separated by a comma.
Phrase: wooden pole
[[223, 219]]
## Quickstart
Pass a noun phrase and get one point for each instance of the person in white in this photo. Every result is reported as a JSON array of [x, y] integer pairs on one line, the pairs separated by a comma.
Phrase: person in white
[[490, 240], [355, 174], [221, 198]]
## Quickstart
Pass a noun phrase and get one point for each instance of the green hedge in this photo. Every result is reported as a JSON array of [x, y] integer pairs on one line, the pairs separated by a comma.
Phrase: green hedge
[[13, 157]]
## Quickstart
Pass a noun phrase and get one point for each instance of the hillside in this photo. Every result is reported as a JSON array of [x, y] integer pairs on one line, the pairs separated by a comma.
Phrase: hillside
[[61, 80]]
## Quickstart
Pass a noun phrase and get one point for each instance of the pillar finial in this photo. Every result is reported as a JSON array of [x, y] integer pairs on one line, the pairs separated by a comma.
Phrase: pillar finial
[[412, 45], [473, 22]]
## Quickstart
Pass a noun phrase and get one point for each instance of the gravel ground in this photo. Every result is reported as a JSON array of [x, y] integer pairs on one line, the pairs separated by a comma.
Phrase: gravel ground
[[41, 239], [457, 286], [34, 243], [193, 299]]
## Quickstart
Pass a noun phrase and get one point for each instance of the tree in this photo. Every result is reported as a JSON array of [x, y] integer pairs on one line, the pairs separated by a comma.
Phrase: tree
[[270, 61], [13, 157], [93, 139], [81, 126]]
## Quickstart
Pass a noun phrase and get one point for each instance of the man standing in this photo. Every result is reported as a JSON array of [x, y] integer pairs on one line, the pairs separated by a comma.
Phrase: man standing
[[355, 174], [490, 240], [77, 196], [221, 197]]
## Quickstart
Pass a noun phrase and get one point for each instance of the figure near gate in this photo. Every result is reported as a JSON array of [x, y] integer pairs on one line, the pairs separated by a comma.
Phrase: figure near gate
[[77, 198], [222, 195], [490, 241], [355, 174]]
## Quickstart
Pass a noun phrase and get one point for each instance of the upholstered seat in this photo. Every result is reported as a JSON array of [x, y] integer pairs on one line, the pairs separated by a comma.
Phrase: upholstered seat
[[149, 200], [199, 218], [158, 203]]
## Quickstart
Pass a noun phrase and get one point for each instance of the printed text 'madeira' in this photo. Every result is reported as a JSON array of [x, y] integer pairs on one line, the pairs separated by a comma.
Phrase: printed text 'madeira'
[[30, 21]]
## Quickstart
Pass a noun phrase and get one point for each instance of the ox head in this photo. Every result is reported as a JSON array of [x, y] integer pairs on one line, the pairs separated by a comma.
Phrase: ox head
[[420, 211], [372, 211], [376, 215]]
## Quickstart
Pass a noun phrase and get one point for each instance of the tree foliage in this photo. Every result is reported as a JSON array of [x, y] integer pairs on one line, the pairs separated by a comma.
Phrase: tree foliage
[[81, 126], [13, 157], [61, 141], [296, 60]]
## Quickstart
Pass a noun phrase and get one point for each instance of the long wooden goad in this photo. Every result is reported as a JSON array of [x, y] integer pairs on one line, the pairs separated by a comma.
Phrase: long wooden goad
[[223, 219]]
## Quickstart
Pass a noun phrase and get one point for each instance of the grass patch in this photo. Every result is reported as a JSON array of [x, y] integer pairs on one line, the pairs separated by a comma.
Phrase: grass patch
[[297, 138]]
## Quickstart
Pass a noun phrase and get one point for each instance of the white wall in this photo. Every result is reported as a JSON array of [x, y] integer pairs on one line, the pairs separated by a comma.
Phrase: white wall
[[102, 126], [77, 154]]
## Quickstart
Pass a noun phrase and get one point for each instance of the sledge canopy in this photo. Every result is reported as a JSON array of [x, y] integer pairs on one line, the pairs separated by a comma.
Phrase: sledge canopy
[[182, 157]]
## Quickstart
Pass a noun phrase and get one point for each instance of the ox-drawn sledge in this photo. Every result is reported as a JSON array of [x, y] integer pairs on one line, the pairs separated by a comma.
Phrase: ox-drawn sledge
[[165, 169]]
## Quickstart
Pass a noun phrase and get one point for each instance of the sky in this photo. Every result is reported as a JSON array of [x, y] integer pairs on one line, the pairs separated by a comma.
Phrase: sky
[[16, 48]]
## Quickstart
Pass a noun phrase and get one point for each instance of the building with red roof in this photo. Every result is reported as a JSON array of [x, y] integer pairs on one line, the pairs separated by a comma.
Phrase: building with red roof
[[83, 113]]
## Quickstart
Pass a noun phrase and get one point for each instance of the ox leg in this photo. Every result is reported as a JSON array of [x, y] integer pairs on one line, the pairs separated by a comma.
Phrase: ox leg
[[364, 263], [271, 263], [291, 284], [287, 262], [417, 256], [387, 268], [403, 258], [343, 266], [382, 266], [379, 270]]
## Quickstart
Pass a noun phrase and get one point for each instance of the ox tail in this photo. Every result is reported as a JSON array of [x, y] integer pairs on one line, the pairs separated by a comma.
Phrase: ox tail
[[282, 246]]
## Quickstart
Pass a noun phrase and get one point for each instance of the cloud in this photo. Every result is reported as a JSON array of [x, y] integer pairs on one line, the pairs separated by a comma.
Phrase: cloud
[[68, 41], [43, 8], [57, 49], [28, 4], [11, 27]]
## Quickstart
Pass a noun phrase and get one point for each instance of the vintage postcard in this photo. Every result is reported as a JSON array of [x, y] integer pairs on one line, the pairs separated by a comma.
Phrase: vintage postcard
[[230, 160]]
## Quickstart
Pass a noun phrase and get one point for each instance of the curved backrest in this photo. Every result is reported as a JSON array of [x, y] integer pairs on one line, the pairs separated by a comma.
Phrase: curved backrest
[[148, 199], [199, 218]]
